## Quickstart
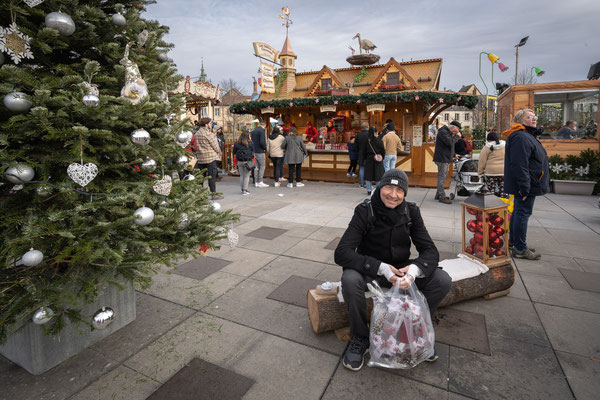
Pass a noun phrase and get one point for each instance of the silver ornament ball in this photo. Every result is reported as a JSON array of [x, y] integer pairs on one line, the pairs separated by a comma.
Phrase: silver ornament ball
[[184, 221], [62, 22], [162, 56], [140, 136], [143, 216], [181, 161], [103, 318], [43, 190], [149, 165], [17, 102], [216, 207], [91, 100], [32, 258], [19, 173], [42, 316], [184, 138], [189, 177], [119, 20]]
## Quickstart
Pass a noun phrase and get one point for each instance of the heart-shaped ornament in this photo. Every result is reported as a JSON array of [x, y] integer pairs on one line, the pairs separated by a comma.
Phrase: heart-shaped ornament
[[33, 3], [82, 174], [163, 186]]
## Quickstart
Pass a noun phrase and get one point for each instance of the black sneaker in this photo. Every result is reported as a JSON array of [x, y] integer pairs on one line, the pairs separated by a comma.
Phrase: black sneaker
[[433, 357], [354, 357], [511, 246], [527, 254]]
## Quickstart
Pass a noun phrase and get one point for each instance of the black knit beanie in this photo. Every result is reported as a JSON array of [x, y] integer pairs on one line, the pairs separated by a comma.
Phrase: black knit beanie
[[395, 177]]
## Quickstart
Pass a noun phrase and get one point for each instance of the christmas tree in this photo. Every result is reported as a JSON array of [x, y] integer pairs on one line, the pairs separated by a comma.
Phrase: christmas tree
[[89, 143]]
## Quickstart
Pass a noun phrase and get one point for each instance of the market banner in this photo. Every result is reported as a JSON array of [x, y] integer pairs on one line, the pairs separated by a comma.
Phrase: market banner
[[267, 78], [267, 110], [266, 51], [375, 107], [417, 136], [328, 108]]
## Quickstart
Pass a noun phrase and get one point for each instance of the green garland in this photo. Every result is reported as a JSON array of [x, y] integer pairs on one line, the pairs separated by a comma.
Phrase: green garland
[[361, 75], [279, 79], [248, 107]]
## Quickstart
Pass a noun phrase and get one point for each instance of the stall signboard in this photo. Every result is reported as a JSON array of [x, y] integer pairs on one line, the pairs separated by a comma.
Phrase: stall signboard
[[375, 107], [267, 110], [330, 108], [266, 51], [417, 136], [267, 78]]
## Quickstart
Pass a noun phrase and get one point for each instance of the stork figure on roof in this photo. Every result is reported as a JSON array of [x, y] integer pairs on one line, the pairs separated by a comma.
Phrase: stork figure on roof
[[364, 44]]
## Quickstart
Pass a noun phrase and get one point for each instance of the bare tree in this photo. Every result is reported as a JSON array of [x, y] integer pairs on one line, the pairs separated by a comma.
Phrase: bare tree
[[524, 77], [229, 84]]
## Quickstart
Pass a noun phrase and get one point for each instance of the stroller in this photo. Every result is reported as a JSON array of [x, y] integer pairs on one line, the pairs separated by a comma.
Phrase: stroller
[[467, 180]]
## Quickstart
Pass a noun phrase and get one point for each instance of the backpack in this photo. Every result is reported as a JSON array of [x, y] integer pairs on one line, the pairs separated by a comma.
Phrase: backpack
[[468, 146]]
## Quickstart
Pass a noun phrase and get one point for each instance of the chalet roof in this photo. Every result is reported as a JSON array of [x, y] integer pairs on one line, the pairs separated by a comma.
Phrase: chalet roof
[[421, 75], [471, 89], [287, 49], [232, 97]]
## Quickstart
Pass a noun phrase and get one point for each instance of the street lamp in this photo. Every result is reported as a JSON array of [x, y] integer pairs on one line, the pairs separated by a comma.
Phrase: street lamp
[[538, 72], [493, 59], [521, 43]]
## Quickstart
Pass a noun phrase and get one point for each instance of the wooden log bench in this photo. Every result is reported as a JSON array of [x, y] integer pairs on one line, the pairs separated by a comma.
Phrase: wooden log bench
[[326, 313]]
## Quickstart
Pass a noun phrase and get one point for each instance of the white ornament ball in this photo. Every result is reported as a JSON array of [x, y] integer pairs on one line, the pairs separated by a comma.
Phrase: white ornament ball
[[141, 137], [19, 173], [184, 221], [216, 207], [162, 56], [42, 316], [143, 216], [149, 165], [17, 102], [181, 161], [119, 20], [91, 100], [103, 318], [189, 177], [32, 258], [62, 22]]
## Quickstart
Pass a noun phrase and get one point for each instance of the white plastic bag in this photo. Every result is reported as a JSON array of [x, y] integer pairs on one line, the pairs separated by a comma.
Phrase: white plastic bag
[[402, 334]]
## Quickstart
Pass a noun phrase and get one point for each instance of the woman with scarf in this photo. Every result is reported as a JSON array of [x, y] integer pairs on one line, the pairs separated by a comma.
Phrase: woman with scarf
[[376, 246]]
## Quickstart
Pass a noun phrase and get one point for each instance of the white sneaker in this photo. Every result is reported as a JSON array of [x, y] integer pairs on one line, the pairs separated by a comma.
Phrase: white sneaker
[[245, 192], [256, 185], [283, 179], [299, 184], [290, 185], [262, 184], [348, 174], [277, 184], [354, 175]]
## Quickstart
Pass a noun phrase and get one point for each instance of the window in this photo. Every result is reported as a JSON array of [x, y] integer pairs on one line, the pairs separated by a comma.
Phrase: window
[[229, 126], [466, 117], [204, 112], [326, 84], [217, 112], [457, 117], [393, 78], [446, 117], [554, 109]]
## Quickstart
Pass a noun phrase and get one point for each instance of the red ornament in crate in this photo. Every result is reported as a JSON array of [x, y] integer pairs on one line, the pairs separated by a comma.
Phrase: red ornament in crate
[[469, 249], [472, 241], [493, 235], [498, 221], [478, 238], [497, 244], [479, 216], [499, 231], [472, 225], [499, 252], [472, 211]]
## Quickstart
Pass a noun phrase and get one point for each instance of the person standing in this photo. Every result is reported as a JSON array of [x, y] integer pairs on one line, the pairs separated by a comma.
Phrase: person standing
[[259, 143], [295, 151], [275, 151], [208, 154], [491, 164], [526, 175], [353, 156], [373, 168], [362, 141], [567, 131], [443, 155], [392, 144], [242, 150], [377, 246]]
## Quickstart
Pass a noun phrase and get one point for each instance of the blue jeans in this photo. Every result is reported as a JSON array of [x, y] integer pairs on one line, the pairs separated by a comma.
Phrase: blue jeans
[[361, 175], [389, 162], [370, 186], [518, 222]]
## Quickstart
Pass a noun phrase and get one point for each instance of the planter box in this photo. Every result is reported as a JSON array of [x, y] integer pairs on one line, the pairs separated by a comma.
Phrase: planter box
[[37, 353], [583, 188]]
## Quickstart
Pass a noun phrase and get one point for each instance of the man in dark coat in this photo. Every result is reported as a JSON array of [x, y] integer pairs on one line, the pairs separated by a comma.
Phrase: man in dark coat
[[259, 143], [362, 142], [443, 155], [526, 175], [376, 246]]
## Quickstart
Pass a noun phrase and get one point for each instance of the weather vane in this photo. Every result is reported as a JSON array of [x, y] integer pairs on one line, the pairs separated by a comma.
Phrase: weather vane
[[286, 18]]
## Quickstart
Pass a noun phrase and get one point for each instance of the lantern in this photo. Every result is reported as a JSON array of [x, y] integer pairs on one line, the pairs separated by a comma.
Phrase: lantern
[[485, 229]]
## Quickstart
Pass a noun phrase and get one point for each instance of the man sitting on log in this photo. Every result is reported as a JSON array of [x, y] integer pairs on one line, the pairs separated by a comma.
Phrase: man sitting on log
[[376, 246]]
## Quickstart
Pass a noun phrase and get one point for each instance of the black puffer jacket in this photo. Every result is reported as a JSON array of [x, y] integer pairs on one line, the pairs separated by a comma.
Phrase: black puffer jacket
[[363, 249], [526, 169]]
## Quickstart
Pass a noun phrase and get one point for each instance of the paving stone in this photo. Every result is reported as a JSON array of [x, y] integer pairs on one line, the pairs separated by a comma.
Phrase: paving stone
[[515, 370], [60, 382], [582, 374], [333, 244], [120, 383], [589, 265], [571, 331], [462, 329], [279, 246], [303, 213], [293, 290], [154, 317], [574, 237], [446, 221], [246, 262], [582, 280], [509, 317], [200, 267], [202, 380], [267, 233], [432, 373], [311, 250], [441, 233], [587, 252], [547, 265], [283, 369], [282, 267], [330, 273], [326, 233], [556, 291], [517, 290]]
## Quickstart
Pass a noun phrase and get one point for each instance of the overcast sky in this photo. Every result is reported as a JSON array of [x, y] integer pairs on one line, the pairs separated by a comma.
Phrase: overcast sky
[[564, 36]]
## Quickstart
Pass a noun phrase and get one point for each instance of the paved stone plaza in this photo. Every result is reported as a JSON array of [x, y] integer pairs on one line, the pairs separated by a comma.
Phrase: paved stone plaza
[[542, 341]]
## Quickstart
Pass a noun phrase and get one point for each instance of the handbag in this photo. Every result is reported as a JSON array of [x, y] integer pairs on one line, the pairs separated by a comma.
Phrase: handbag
[[376, 157], [250, 165]]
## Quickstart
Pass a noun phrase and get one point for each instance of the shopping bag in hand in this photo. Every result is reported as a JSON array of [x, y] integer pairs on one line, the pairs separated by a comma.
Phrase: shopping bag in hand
[[402, 334]]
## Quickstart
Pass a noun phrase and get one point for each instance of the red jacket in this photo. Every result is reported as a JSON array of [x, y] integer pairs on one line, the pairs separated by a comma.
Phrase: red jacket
[[311, 134]]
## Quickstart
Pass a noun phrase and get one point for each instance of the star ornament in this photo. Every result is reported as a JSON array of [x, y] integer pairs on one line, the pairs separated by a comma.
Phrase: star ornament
[[15, 43]]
